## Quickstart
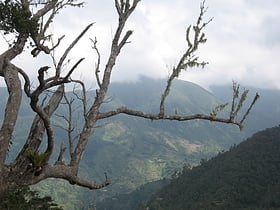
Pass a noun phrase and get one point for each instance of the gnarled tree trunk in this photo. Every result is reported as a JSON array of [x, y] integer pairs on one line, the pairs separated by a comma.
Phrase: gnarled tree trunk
[[31, 166]]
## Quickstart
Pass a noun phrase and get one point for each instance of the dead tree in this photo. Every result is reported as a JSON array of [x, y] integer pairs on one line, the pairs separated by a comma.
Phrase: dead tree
[[30, 166]]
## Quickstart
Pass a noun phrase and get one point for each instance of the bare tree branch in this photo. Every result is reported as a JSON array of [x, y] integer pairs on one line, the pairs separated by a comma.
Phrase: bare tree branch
[[137, 113], [188, 59], [70, 174], [82, 98], [13, 51], [61, 153], [249, 109], [69, 121], [54, 6], [49, 6], [125, 38], [37, 129], [65, 54], [116, 46], [232, 118], [97, 67]]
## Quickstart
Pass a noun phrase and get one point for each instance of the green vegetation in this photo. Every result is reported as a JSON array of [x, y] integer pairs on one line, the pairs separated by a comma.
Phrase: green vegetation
[[36, 158], [135, 151], [245, 177], [69, 197], [26, 199], [134, 199], [15, 17]]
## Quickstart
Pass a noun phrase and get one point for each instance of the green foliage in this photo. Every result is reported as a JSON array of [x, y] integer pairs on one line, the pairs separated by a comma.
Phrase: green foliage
[[246, 177], [69, 197], [37, 158], [25, 199], [15, 17]]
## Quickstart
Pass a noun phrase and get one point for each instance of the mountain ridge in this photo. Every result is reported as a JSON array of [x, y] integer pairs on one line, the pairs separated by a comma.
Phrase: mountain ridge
[[134, 151]]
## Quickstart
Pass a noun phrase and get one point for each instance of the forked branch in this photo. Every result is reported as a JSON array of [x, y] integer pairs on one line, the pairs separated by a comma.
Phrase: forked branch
[[97, 65], [124, 10], [188, 59], [40, 36]]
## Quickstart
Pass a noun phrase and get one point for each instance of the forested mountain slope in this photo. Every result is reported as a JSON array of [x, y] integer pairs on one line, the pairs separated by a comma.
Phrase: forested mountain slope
[[135, 151], [245, 177]]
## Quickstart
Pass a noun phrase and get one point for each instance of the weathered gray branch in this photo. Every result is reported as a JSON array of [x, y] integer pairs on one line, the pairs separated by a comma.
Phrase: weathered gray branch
[[213, 116], [12, 52], [82, 98], [37, 129], [124, 10], [70, 174], [61, 154], [137, 113], [69, 48], [97, 65], [69, 122], [54, 6], [12, 108], [18, 173], [49, 6]]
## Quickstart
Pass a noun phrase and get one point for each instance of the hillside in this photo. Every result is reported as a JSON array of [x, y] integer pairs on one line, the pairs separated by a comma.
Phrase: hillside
[[245, 177], [132, 200], [135, 151]]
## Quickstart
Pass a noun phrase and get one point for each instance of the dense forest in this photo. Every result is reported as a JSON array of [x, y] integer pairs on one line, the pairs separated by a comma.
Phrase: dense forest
[[245, 177], [26, 199]]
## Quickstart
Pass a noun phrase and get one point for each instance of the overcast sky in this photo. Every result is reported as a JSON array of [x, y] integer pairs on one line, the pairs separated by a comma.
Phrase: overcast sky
[[243, 40]]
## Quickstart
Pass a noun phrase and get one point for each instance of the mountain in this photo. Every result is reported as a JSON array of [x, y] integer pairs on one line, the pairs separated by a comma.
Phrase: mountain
[[134, 151], [245, 177]]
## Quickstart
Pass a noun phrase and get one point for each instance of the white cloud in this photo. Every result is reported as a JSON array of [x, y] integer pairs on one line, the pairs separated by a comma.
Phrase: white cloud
[[243, 40]]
